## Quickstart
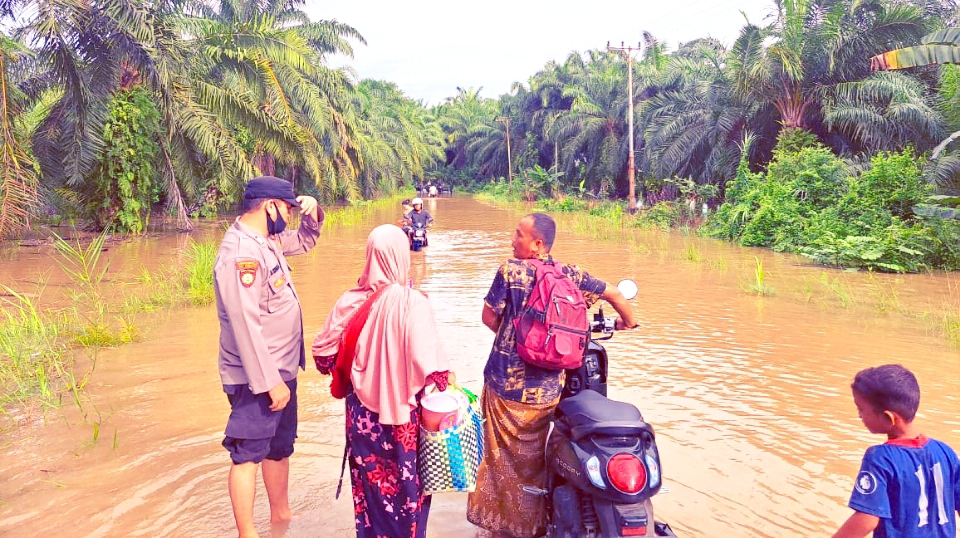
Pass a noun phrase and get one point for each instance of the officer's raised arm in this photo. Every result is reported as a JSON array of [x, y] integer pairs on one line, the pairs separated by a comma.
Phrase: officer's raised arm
[[303, 239]]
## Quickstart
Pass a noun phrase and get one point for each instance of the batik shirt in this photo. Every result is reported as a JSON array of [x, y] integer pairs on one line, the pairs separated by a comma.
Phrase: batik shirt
[[913, 486], [506, 373]]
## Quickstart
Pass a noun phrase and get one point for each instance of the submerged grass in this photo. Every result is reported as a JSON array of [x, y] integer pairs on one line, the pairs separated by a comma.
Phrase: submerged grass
[[759, 285], [359, 212], [32, 344], [39, 347]]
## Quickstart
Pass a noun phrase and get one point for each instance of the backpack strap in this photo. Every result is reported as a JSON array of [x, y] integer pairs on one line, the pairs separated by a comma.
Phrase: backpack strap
[[542, 267]]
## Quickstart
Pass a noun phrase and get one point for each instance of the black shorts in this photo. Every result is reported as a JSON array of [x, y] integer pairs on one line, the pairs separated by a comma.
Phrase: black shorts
[[254, 431]]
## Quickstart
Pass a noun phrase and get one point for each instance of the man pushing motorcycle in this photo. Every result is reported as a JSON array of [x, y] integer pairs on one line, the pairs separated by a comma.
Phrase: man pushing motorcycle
[[519, 397]]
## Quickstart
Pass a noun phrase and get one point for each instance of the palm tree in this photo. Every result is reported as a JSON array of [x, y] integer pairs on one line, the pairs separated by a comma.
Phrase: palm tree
[[395, 140], [592, 132], [693, 122], [942, 47], [886, 111], [461, 117], [18, 182], [812, 45], [214, 74]]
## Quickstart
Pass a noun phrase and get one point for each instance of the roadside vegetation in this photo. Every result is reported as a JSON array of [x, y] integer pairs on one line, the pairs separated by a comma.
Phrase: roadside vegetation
[[49, 346], [786, 139]]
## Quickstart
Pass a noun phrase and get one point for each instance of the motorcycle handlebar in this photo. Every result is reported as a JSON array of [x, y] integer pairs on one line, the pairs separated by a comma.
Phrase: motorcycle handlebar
[[603, 325]]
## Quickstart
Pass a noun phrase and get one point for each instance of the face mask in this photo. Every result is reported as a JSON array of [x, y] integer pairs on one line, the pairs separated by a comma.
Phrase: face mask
[[275, 226]]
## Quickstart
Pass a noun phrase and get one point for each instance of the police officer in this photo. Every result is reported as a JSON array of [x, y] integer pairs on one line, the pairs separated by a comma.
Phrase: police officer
[[261, 340]]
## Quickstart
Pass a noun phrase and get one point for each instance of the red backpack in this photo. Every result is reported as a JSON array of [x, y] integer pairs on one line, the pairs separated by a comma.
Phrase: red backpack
[[552, 330]]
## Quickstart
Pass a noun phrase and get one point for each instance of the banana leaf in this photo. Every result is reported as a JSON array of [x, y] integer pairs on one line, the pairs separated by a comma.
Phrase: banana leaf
[[916, 56], [947, 36]]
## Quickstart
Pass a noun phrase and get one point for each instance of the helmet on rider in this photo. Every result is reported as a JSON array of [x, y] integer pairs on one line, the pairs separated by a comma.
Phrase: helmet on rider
[[417, 202]]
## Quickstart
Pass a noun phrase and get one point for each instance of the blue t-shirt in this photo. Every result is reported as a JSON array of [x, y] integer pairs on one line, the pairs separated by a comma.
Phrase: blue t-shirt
[[912, 486]]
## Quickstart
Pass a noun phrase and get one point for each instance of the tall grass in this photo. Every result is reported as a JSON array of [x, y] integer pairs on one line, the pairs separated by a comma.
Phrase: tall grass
[[38, 346], [32, 344], [759, 285], [201, 258]]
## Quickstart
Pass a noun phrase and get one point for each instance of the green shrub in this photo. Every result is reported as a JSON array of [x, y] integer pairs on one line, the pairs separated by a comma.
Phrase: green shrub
[[664, 215], [808, 203], [124, 184]]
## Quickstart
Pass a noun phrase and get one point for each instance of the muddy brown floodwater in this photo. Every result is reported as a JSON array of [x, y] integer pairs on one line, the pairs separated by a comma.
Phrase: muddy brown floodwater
[[749, 395]]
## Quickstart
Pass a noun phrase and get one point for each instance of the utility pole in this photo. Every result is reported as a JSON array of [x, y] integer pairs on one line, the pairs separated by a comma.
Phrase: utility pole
[[505, 120], [629, 53]]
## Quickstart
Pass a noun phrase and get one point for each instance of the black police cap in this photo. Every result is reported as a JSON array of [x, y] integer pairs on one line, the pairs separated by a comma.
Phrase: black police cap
[[270, 187]]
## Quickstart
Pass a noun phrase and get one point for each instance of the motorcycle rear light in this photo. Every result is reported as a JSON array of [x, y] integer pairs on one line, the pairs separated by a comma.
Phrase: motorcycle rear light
[[593, 471], [633, 531], [627, 473]]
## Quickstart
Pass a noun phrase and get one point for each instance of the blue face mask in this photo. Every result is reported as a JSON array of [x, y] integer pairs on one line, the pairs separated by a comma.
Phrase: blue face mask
[[275, 226]]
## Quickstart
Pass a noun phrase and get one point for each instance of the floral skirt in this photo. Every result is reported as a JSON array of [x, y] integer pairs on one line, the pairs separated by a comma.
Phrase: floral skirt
[[387, 496]]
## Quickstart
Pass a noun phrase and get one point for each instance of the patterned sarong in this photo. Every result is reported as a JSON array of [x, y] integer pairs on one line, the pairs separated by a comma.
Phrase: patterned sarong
[[514, 434]]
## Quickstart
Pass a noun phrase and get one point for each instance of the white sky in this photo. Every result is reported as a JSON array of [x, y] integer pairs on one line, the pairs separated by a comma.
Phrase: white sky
[[429, 47]]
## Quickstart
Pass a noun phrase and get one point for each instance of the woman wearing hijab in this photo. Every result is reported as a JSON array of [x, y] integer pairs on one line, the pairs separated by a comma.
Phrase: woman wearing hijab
[[397, 354]]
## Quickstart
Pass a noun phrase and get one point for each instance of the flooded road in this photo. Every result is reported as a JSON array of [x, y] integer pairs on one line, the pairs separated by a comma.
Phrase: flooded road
[[749, 395]]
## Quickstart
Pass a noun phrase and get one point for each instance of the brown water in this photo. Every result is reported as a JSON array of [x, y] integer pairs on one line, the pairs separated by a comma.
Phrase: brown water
[[749, 395]]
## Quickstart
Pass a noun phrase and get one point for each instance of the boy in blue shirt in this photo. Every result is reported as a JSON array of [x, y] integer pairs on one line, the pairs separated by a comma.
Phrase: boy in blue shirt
[[908, 487]]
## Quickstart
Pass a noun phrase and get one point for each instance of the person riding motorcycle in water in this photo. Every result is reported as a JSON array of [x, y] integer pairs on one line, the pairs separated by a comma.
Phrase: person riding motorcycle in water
[[417, 217], [405, 209]]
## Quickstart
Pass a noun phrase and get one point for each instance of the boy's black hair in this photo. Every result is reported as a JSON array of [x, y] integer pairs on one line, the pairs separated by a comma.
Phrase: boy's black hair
[[405, 202], [890, 387], [545, 227]]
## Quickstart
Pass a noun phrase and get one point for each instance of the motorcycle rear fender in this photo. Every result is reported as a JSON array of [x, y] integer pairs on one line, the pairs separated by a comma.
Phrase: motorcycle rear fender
[[567, 460], [613, 516]]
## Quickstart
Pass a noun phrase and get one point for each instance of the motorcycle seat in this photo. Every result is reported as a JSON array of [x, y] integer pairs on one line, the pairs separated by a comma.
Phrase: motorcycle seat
[[589, 412]]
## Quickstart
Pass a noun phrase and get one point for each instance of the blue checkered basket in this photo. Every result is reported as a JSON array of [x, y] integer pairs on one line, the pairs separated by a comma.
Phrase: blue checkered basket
[[448, 460]]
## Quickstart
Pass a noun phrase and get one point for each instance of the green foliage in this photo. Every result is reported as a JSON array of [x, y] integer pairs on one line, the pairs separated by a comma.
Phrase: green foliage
[[792, 140], [124, 183], [201, 259], [664, 215], [949, 90], [808, 203]]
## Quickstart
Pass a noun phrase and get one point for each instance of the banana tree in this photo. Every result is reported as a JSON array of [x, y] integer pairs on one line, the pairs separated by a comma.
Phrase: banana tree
[[937, 48]]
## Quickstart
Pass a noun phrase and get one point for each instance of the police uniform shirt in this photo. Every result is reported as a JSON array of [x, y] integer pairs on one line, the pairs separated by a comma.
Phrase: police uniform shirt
[[261, 323]]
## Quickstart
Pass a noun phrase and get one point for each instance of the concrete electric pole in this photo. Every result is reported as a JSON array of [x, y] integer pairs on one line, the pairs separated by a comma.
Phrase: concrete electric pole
[[505, 120], [629, 53]]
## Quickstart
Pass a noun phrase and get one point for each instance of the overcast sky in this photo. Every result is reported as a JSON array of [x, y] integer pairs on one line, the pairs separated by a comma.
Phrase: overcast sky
[[429, 48]]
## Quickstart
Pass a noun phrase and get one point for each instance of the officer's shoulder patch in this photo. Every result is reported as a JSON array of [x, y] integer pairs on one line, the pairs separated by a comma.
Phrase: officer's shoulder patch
[[247, 271]]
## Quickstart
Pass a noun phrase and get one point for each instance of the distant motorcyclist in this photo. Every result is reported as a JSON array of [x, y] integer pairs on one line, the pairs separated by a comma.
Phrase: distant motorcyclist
[[405, 209], [418, 217]]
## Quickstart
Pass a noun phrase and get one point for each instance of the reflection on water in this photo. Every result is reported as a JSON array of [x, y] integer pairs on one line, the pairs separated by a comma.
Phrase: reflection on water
[[749, 396]]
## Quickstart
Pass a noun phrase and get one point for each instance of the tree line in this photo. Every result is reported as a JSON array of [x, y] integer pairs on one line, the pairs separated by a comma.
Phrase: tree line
[[109, 107], [808, 67]]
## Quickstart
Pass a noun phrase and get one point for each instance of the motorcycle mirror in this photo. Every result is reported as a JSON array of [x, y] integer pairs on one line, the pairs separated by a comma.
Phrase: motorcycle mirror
[[628, 288]]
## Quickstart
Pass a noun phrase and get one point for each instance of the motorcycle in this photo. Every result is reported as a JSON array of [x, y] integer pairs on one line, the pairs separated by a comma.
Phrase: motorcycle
[[418, 237], [602, 456]]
